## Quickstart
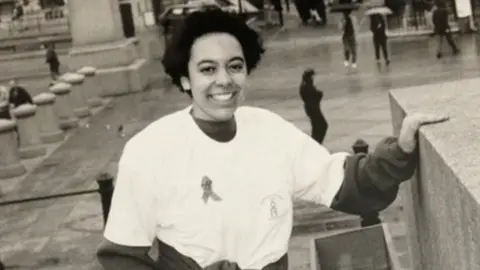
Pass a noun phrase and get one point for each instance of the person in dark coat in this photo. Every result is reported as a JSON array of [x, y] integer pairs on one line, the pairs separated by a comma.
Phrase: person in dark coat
[[52, 61], [4, 103], [18, 95], [303, 9], [377, 26], [319, 7], [312, 97], [277, 6], [442, 28]]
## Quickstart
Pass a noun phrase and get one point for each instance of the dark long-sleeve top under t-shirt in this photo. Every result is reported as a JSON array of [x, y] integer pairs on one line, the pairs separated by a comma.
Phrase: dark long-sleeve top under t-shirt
[[369, 183]]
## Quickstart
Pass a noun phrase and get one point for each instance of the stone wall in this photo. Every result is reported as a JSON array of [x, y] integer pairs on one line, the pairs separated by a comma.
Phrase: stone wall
[[442, 201]]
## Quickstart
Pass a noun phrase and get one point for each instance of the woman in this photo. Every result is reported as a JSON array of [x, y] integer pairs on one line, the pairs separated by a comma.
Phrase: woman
[[378, 28], [311, 97], [211, 186]]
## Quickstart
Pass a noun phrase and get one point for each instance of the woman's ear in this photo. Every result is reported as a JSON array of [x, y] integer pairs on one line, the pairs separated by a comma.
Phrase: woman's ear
[[185, 82]]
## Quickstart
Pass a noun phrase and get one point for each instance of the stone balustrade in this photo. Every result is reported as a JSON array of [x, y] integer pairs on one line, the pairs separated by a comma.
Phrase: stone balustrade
[[77, 94], [10, 165], [46, 118], [63, 107], [30, 143], [91, 87]]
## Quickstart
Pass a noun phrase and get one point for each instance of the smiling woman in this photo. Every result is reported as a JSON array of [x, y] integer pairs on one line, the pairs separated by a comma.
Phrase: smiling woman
[[212, 186]]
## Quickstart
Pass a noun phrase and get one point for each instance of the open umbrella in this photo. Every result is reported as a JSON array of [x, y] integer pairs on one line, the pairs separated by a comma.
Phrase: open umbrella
[[344, 7], [378, 10]]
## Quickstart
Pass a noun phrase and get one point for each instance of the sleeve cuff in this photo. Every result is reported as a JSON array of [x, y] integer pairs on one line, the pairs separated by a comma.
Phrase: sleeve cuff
[[336, 175]]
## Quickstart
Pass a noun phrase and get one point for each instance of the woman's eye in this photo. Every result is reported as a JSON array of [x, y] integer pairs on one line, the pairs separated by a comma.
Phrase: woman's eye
[[207, 70], [236, 67]]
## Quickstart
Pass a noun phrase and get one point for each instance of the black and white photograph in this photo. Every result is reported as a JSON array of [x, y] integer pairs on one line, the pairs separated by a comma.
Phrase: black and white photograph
[[239, 135]]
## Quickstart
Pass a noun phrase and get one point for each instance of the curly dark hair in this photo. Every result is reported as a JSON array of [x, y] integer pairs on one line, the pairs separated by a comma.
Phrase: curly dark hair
[[200, 23]]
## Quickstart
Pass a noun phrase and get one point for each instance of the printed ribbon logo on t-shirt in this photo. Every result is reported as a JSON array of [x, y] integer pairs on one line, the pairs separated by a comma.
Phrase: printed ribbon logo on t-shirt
[[274, 206], [208, 192]]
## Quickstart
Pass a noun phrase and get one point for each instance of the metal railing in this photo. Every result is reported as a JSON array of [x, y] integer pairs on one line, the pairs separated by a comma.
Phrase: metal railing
[[105, 189]]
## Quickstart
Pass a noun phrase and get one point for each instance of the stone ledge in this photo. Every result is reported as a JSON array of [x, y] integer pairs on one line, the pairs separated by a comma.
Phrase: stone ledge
[[442, 201]]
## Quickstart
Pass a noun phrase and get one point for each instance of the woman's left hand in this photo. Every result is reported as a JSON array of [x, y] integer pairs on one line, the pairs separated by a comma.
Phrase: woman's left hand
[[410, 126]]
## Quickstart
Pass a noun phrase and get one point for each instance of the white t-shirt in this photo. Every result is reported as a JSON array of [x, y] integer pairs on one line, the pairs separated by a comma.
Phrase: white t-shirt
[[256, 176]]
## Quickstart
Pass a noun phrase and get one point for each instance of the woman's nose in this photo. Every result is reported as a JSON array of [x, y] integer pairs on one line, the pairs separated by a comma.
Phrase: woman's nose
[[223, 77]]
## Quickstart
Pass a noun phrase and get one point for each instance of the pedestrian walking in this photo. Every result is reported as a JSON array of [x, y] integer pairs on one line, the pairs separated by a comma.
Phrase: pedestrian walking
[[349, 27], [442, 28], [311, 98], [52, 61], [212, 185], [318, 11], [378, 28], [277, 6], [303, 9]]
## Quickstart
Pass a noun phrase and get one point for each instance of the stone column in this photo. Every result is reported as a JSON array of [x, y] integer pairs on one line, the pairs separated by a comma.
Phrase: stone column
[[98, 40], [48, 121], [62, 107], [94, 21], [77, 94], [92, 88], [28, 131], [10, 165]]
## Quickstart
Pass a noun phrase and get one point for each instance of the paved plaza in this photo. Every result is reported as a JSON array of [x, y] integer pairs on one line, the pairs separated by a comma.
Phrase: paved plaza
[[64, 233]]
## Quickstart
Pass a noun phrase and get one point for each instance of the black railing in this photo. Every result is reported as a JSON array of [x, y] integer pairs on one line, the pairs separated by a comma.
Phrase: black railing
[[105, 189]]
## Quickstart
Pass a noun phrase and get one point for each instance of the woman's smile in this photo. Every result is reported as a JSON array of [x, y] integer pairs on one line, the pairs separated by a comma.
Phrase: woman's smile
[[223, 98]]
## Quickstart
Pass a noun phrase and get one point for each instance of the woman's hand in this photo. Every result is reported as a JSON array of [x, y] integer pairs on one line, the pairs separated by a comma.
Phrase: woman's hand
[[410, 126]]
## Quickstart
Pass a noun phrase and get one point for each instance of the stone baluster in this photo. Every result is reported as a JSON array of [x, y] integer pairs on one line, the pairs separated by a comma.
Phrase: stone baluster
[[92, 89], [31, 145], [48, 121], [10, 165], [62, 107], [77, 95]]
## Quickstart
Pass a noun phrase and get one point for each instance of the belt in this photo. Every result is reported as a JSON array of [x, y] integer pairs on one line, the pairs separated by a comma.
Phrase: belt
[[170, 259]]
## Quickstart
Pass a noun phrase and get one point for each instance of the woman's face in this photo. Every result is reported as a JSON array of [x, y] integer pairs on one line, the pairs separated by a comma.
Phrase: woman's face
[[217, 74]]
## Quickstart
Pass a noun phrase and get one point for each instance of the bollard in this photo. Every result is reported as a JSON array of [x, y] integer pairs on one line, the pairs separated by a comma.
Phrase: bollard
[[62, 106], [28, 132], [10, 165], [77, 94], [48, 122], [92, 91], [370, 219], [105, 188]]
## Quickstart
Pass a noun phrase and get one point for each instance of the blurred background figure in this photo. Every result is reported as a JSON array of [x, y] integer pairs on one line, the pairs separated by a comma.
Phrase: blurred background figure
[[18, 95], [52, 61], [378, 28], [442, 28], [4, 103], [349, 28], [312, 97]]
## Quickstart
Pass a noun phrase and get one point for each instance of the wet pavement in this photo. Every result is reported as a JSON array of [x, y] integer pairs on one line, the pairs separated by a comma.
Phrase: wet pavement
[[63, 233]]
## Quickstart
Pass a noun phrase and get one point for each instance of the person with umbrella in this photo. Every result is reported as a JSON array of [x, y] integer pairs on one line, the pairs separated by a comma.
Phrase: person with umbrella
[[212, 185], [378, 28], [312, 97]]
